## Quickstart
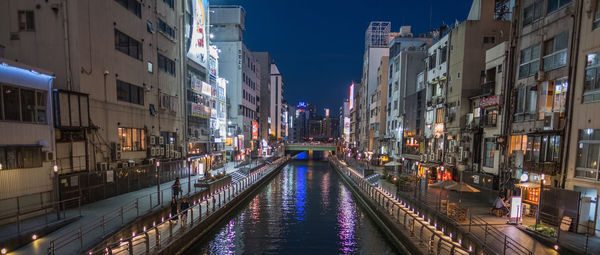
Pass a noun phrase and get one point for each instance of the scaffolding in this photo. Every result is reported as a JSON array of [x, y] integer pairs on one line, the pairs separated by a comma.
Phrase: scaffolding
[[378, 34]]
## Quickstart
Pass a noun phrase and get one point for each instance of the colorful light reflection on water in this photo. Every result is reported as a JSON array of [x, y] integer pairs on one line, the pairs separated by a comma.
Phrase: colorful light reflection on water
[[287, 217]]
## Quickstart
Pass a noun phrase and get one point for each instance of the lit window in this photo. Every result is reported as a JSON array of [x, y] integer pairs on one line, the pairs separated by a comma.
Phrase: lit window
[[132, 139]]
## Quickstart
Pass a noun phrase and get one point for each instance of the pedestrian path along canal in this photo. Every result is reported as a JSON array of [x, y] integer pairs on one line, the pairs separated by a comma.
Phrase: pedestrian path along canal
[[305, 209]]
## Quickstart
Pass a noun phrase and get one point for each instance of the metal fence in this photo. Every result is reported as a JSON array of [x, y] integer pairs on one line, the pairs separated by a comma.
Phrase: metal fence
[[436, 240], [168, 229]]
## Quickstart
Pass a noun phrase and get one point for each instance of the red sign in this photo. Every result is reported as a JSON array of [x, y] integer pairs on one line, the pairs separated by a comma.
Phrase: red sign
[[489, 101], [254, 130]]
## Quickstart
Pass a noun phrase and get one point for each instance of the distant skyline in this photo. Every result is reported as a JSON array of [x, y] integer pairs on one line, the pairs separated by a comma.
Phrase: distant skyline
[[318, 46]]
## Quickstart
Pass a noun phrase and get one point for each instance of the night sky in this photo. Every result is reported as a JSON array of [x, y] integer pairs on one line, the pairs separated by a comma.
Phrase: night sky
[[318, 45]]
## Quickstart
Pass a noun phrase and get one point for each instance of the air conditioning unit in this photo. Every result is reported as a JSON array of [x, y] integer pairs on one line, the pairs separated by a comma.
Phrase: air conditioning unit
[[152, 151], [461, 151], [48, 156], [152, 140], [540, 76], [423, 157], [161, 140], [162, 151], [103, 166], [123, 165], [116, 151]]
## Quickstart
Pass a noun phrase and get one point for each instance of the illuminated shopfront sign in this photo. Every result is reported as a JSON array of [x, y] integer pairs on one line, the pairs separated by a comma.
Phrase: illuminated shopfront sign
[[254, 130], [351, 97]]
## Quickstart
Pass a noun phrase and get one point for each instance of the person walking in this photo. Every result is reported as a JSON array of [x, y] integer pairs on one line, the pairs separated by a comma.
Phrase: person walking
[[174, 208], [176, 188], [184, 211]]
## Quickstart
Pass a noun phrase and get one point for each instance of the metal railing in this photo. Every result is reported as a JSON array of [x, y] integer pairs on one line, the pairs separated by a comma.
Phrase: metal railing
[[434, 239], [96, 231], [168, 229], [51, 211]]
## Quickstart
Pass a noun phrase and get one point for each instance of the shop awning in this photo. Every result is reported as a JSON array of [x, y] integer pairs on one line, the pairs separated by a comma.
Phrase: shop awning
[[528, 185]]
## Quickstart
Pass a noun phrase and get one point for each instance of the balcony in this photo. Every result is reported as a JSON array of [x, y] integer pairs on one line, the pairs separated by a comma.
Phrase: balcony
[[488, 88]]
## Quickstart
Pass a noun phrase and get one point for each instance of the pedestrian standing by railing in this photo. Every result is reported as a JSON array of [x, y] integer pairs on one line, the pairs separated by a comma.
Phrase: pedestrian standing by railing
[[174, 208], [183, 209], [176, 188]]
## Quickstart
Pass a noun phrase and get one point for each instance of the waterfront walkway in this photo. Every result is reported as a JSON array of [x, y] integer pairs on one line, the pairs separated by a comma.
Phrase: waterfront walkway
[[479, 204], [112, 213]]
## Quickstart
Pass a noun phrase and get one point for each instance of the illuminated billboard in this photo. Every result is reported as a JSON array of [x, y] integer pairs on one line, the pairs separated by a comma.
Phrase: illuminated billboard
[[347, 127], [196, 32], [351, 96], [254, 130]]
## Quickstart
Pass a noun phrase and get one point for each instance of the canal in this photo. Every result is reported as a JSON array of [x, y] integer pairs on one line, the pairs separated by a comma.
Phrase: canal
[[305, 209]]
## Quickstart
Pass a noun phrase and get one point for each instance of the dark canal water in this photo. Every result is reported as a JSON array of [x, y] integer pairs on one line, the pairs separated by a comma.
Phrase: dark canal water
[[306, 209]]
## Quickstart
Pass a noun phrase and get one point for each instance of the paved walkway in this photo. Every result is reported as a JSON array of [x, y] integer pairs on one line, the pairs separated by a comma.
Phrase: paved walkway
[[133, 204]]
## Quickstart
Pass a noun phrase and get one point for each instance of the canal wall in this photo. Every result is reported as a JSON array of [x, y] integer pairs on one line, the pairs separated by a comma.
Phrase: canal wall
[[403, 243], [179, 245], [406, 228]]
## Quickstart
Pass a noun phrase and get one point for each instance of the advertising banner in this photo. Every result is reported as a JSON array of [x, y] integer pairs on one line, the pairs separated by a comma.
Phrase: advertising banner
[[196, 84], [198, 48], [351, 98], [254, 130], [206, 89]]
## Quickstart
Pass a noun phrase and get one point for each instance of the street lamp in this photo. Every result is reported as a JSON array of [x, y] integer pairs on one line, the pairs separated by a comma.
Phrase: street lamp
[[56, 193]]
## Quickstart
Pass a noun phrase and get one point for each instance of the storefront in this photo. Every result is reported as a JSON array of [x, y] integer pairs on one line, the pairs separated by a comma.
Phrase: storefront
[[530, 189], [481, 180], [428, 171]]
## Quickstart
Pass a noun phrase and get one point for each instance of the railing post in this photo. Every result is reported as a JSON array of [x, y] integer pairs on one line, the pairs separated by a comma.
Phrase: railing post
[[130, 246], [171, 228], [504, 248], [147, 238], [137, 208], [79, 205], [18, 216], [150, 207], [121, 213], [192, 216], [103, 232], [51, 248], [80, 234], [157, 238]]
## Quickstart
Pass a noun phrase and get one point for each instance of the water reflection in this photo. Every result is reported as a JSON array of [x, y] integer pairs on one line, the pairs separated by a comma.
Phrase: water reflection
[[305, 210]]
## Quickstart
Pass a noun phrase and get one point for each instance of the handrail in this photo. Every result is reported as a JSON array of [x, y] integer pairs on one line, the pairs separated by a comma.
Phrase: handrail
[[129, 244]]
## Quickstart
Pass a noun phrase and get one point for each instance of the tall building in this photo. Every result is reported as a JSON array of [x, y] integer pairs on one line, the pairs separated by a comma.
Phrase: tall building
[[377, 38], [540, 81], [242, 71], [277, 107], [264, 59], [344, 119], [377, 112], [406, 62], [118, 95], [582, 149]]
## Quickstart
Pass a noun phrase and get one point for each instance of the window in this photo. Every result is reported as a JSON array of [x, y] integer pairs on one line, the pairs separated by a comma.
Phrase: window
[[530, 61], [439, 115], [149, 27], [532, 12], [552, 97], [26, 21], [555, 51], [20, 104], [130, 93], [20, 157], [166, 65], [132, 5], [543, 148], [596, 23], [591, 85], [490, 117], [518, 143], [128, 45], [554, 5], [166, 29], [526, 103], [132, 139], [489, 150], [443, 54], [489, 39], [170, 3], [588, 151], [431, 61]]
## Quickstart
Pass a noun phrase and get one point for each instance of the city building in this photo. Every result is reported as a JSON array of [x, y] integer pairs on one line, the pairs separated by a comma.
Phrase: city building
[[27, 155], [277, 127], [118, 96], [377, 38], [377, 109], [582, 148], [264, 121], [242, 71], [406, 62]]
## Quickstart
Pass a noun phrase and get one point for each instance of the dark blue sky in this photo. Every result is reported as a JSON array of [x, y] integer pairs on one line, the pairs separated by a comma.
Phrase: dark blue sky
[[318, 45]]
